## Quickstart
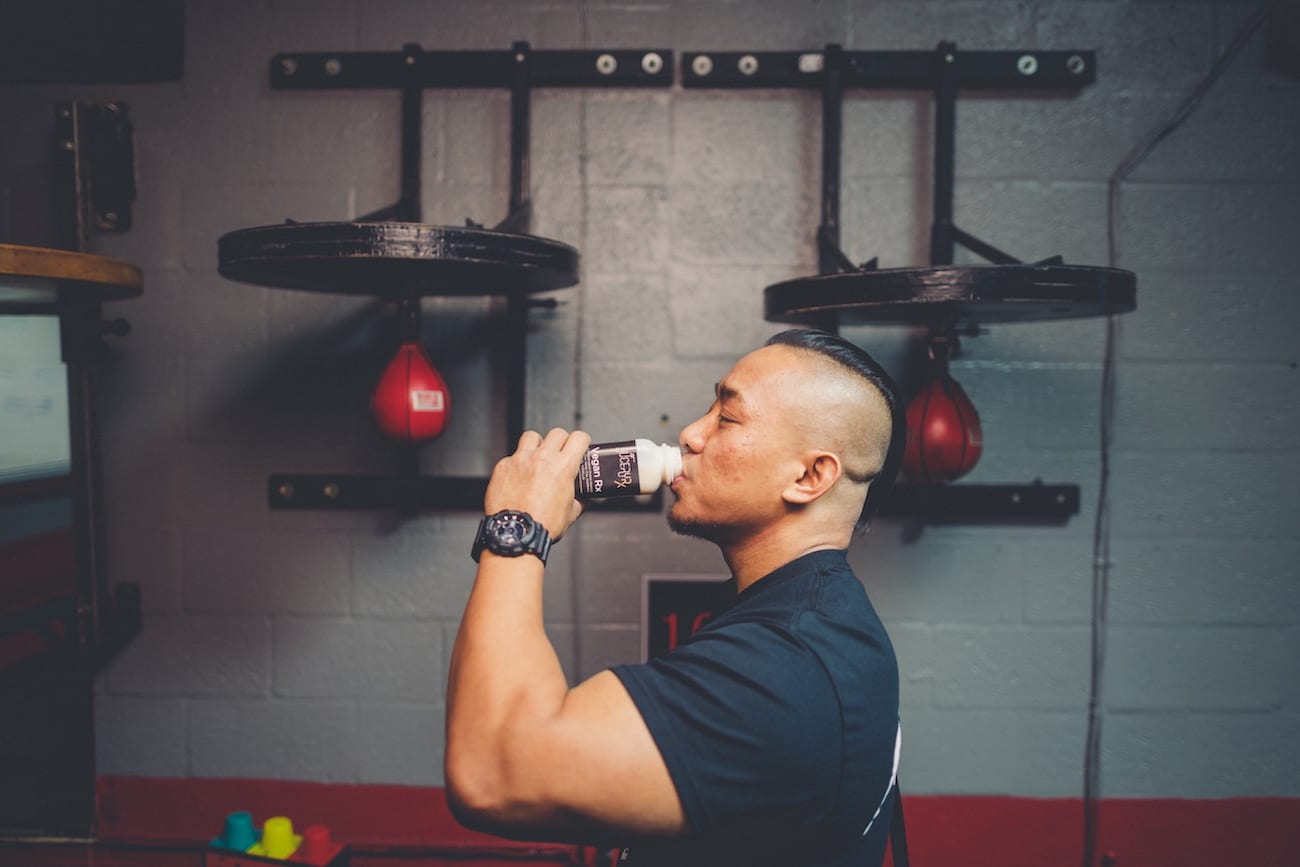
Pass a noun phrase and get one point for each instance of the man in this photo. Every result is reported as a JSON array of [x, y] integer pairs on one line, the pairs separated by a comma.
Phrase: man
[[772, 736]]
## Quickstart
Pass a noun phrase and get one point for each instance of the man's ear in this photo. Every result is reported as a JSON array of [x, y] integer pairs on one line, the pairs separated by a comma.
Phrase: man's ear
[[819, 474]]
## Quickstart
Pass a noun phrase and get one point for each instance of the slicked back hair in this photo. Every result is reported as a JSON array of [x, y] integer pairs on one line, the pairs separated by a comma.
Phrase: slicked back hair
[[856, 360]]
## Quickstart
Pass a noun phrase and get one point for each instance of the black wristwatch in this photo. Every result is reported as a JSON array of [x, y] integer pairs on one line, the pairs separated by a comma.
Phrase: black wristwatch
[[511, 534]]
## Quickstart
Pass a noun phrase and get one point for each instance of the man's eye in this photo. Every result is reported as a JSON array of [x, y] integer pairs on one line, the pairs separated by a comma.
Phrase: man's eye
[[722, 419]]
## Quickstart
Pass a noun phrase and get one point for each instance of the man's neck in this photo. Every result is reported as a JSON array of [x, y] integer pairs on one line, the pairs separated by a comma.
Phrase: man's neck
[[763, 553]]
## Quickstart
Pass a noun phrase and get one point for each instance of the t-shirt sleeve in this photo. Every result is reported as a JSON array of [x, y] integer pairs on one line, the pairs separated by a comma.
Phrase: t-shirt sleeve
[[747, 723]]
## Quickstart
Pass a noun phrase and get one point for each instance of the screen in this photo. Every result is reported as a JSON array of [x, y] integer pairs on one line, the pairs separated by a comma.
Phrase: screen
[[34, 442]]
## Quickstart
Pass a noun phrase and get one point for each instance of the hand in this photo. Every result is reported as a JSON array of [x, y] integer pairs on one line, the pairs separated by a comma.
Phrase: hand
[[538, 479]]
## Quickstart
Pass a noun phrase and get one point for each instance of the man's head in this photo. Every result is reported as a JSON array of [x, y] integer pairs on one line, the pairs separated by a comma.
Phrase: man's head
[[808, 429]]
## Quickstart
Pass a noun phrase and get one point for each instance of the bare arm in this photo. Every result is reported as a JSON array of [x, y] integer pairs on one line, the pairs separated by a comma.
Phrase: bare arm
[[527, 756]]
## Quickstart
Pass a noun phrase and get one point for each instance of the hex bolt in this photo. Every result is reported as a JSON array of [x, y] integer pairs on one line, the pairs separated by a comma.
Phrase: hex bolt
[[606, 64], [652, 63], [333, 66], [65, 113], [1075, 64], [519, 57], [747, 65], [1060, 498], [67, 145], [1015, 498], [1027, 64], [288, 65], [702, 65], [409, 60], [950, 58], [331, 490], [285, 490]]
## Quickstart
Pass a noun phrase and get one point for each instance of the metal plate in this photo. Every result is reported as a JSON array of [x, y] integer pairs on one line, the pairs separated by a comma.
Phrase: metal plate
[[41, 280], [395, 259], [953, 295]]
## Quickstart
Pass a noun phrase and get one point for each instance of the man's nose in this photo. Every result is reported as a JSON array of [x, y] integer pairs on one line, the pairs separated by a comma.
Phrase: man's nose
[[692, 436]]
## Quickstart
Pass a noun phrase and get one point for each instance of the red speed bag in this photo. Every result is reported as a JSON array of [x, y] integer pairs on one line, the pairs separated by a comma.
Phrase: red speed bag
[[943, 433], [410, 402]]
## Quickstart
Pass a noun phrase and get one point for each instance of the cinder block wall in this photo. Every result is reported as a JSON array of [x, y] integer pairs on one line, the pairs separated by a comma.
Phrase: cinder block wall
[[306, 645]]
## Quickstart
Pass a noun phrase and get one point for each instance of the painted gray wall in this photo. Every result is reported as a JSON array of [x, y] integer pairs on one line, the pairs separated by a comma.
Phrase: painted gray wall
[[314, 646]]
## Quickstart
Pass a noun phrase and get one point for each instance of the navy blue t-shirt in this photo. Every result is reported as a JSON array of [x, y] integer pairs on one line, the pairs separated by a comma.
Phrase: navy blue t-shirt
[[778, 722]]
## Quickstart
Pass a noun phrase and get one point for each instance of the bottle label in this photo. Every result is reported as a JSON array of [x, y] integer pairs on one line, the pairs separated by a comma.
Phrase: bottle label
[[609, 470]]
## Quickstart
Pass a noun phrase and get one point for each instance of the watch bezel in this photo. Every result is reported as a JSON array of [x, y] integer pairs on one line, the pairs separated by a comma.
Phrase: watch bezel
[[532, 537]]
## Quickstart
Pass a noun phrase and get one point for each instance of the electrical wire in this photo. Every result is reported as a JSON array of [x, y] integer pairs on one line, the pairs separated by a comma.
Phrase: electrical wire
[[1101, 526]]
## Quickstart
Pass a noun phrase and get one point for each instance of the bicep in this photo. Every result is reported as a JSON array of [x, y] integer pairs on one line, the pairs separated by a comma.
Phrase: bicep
[[595, 764]]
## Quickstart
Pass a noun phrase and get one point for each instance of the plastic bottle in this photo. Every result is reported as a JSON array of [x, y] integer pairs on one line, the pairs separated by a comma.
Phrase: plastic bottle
[[626, 469]]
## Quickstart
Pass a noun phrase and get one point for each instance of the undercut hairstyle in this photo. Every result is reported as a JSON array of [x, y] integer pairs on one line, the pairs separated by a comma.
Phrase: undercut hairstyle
[[856, 360]]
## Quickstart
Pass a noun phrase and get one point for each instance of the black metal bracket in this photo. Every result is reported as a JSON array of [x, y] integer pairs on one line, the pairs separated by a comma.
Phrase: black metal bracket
[[943, 71], [411, 71], [97, 170], [408, 494]]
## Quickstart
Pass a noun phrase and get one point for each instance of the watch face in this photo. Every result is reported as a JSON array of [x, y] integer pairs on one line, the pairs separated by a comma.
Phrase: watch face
[[509, 533]]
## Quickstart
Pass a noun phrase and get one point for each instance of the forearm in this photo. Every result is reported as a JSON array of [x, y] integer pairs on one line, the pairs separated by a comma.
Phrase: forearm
[[505, 681]]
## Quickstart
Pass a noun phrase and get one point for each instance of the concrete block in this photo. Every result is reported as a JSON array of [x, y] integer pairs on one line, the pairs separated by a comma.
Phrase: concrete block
[[914, 646], [939, 580], [1065, 343], [1057, 578], [197, 315], [342, 137], [627, 317], [769, 223], [414, 573], [1194, 581], [1137, 44], [1212, 317], [627, 230], [259, 572], [639, 25], [1233, 407], [1041, 668], [610, 567], [885, 134], [717, 311], [378, 660], [475, 139], [1236, 754], [140, 737], [628, 137], [1033, 220], [1166, 227], [279, 740], [486, 25], [884, 218], [1219, 496], [1058, 138], [726, 138], [604, 646], [1197, 668], [653, 400], [1063, 406], [761, 25], [400, 744], [1035, 754], [1235, 134], [1254, 227], [921, 26], [147, 555], [195, 654], [218, 486]]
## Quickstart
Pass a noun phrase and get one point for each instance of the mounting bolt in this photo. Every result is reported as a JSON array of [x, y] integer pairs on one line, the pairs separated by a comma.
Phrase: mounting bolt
[[409, 60], [333, 66], [950, 58], [702, 65], [285, 490], [519, 57], [331, 490], [811, 63], [652, 63], [747, 65], [1015, 497], [288, 65], [1027, 64], [1075, 64], [67, 145], [65, 113], [606, 64], [1060, 498]]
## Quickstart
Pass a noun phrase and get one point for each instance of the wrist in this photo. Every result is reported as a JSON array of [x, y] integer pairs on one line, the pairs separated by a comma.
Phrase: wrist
[[512, 533]]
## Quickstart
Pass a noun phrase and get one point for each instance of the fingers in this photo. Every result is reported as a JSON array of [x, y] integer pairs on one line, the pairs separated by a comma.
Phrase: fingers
[[557, 439], [529, 440]]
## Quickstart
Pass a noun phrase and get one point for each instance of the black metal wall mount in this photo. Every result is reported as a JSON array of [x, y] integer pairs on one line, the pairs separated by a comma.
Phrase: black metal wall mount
[[390, 253], [944, 297]]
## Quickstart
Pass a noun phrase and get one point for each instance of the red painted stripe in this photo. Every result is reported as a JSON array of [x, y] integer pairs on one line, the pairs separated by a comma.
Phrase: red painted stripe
[[943, 830]]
